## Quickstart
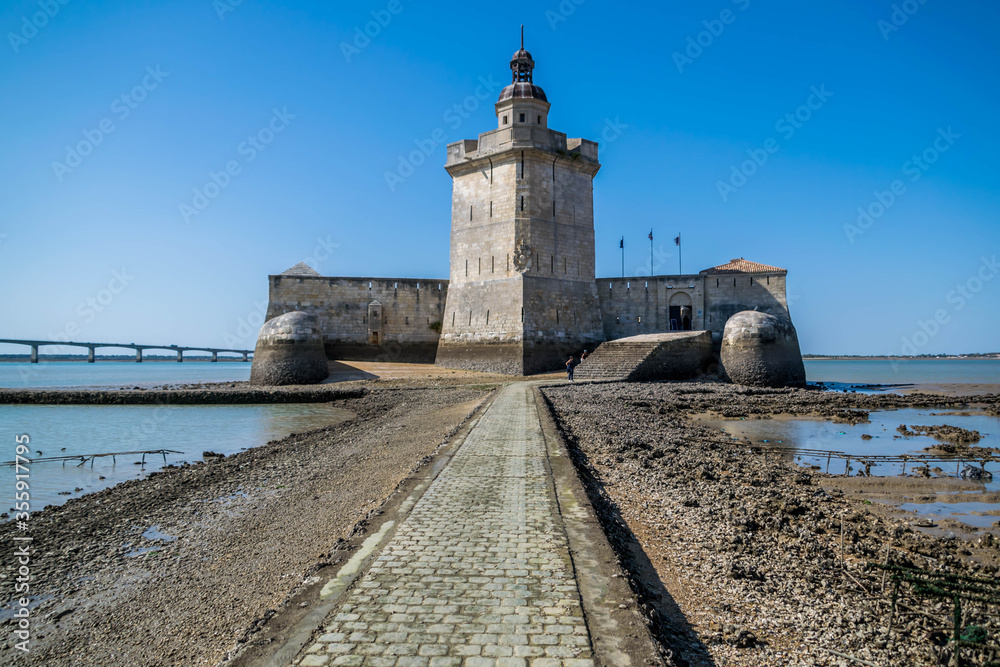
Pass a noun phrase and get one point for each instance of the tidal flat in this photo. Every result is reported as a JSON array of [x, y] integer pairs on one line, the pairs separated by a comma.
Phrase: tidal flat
[[742, 557], [186, 566], [736, 556]]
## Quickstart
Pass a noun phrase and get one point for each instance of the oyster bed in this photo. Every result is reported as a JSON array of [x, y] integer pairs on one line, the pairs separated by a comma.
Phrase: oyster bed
[[736, 556]]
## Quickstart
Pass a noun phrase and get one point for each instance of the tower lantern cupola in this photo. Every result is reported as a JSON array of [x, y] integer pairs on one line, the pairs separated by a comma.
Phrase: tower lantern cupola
[[522, 102], [521, 65]]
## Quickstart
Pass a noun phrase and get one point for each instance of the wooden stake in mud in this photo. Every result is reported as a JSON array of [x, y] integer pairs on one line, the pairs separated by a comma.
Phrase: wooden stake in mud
[[841, 541], [892, 610], [956, 657], [90, 457], [888, 548]]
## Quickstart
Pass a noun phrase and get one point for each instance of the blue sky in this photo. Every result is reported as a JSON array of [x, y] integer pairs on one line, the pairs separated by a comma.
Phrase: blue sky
[[116, 113]]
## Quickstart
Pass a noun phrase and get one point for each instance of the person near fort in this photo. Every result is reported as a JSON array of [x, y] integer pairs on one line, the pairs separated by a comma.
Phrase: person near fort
[[570, 366]]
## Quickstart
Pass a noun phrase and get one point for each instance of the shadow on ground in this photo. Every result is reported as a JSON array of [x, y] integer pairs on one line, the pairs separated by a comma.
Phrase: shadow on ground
[[340, 372], [669, 625]]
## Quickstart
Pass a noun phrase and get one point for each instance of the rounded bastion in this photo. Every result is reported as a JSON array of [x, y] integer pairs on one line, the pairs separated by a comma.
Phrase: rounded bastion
[[289, 351], [762, 350]]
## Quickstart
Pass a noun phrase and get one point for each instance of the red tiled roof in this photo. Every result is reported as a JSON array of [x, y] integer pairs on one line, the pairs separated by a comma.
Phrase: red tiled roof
[[741, 265]]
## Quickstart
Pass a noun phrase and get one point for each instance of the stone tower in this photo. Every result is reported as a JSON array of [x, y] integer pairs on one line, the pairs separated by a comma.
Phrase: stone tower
[[522, 295]]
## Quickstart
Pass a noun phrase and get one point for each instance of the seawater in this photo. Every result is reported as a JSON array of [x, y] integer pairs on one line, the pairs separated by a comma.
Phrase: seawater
[[147, 374], [805, 433], [908, 371], [17, 375], [81, 430]]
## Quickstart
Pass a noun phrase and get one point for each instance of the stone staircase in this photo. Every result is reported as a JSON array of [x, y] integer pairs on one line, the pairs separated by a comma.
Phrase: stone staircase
[[678, 355]]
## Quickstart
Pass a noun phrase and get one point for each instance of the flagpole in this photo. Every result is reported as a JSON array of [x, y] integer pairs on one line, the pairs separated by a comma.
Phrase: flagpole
[[680, 265], [650, 253]]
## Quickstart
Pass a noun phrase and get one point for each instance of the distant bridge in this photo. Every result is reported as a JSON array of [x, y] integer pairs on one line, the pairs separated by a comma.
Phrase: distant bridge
[[35, 344]]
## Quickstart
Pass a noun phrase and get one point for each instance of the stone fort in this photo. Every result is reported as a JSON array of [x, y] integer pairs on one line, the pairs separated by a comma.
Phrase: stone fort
[[522, 293]]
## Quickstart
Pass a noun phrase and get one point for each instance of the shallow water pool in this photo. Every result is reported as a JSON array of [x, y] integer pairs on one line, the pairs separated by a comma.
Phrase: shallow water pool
[[803, 433], [81, 430]]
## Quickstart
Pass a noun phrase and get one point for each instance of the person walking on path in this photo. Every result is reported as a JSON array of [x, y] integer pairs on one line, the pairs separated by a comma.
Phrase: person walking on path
[[570, 365]]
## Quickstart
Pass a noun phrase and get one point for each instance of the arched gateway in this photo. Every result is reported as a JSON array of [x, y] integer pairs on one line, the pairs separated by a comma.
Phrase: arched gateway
[[679, 312]]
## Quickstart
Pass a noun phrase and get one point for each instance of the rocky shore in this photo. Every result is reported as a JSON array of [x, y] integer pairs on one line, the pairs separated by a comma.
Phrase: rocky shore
[[185, 567], [744, 559]]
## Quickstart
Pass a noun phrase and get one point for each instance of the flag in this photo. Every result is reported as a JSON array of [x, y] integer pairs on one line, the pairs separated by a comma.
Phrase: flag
[[621, 244], [650, 234], [677, 241]]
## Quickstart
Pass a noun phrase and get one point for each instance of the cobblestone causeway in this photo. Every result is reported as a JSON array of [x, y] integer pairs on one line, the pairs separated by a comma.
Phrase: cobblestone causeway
[[479, 573]]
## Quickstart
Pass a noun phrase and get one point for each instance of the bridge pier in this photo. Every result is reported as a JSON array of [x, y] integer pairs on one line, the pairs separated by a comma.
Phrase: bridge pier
[[245, 356], [138, 355], [34, 354], [90, 355], [180, 356], [215, 356]]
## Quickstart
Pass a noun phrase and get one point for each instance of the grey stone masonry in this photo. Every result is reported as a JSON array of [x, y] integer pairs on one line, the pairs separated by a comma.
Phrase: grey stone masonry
[[677, 355], [521, 292], [404, 328], [479, 574]]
